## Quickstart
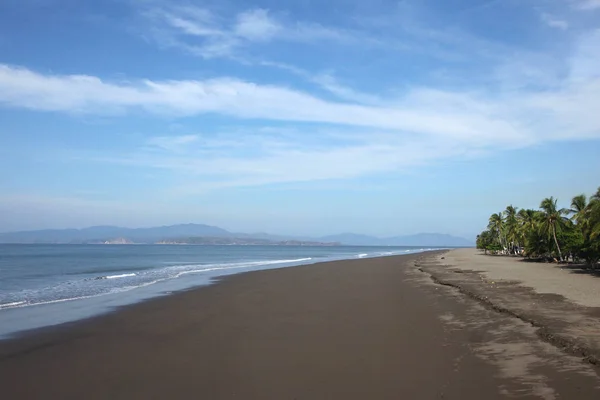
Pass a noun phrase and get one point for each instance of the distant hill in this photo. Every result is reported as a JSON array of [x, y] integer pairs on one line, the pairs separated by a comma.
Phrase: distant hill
[[430, 240], [421, 239], [353, 239], [208, 240], [102, 234]]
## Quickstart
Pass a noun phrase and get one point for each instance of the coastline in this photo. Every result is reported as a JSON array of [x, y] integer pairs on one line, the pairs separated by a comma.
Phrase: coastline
[[560, 301], [348, 329], [18, 317]]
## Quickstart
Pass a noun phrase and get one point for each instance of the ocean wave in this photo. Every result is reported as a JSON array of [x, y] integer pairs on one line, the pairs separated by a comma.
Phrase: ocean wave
[[111, 277], [220, 267], [91, 286], [39, 303], [154, 277], [27, 304], [53, 301], [11, 305], [243, 264], [271, 262], [119, 276]]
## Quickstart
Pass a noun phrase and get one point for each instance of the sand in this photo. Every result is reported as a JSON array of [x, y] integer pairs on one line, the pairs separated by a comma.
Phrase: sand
[[561, 302], [371, 328], [567, 281]]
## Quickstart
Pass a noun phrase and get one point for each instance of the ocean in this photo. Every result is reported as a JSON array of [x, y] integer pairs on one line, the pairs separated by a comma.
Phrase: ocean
[[42, 285]]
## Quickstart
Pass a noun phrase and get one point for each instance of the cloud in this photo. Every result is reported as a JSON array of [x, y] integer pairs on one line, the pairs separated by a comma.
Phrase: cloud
[[272, 156], [435, 113], [331, 84], [172, 143], [201, 32], [474, 117], [197, 22], [554, 22], [584, 64], [315, 138], [587, 4], [256, 25]]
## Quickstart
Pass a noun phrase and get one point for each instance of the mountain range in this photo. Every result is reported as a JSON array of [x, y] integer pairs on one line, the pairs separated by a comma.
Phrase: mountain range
[[98, 234]]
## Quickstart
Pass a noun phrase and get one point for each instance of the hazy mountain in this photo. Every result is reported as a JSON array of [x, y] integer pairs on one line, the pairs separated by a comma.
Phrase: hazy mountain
[[421, 239], [428, 239], [108, 232], [161, 233], [353, 239]]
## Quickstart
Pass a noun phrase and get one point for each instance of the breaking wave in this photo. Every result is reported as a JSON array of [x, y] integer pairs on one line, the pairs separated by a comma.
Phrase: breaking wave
[[11, 305]]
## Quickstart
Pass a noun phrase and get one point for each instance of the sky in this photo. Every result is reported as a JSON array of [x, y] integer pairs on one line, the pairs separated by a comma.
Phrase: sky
[[300, 117]]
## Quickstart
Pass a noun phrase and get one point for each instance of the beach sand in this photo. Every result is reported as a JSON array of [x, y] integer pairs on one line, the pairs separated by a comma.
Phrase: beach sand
[[570, 281], [356, 329], [563, 301]]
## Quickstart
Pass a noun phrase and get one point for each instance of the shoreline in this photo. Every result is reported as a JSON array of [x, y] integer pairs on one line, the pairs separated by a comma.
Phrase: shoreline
[[560, 319], [351, 329], [102, 305]]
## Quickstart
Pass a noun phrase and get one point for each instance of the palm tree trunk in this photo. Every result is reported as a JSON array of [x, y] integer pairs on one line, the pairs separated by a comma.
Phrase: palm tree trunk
[[556, 242]]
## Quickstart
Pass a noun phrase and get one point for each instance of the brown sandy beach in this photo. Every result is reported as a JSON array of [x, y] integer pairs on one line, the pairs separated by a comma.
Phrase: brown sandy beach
[[371, 328]]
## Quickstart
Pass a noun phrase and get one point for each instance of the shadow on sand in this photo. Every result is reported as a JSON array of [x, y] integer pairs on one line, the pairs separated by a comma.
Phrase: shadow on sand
[[574, 268]]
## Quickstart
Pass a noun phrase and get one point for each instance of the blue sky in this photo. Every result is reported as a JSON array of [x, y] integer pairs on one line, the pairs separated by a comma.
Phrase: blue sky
[[299, 117]]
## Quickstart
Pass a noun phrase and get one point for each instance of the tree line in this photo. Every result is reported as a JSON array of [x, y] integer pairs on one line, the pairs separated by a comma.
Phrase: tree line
[[551, 233]]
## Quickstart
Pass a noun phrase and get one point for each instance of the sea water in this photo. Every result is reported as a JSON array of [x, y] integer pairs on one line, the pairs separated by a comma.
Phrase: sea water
[[43, 285]]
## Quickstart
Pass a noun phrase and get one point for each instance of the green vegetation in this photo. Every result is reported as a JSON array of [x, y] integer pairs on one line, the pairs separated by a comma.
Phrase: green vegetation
[[549, 233]]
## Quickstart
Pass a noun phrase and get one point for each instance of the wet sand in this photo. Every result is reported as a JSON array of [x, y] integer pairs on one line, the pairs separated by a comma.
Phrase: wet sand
[[356, 329]]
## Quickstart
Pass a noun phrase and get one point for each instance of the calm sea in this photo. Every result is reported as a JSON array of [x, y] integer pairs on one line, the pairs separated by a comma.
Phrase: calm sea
[[43, 285]]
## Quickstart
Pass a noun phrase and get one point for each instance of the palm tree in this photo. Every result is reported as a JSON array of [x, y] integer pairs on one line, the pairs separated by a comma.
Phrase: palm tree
[[579, 209], [552, 219], [511, 225], [539, 232], [594, 215], [587, 216], [485, 240], [528, 220], [496, 225]]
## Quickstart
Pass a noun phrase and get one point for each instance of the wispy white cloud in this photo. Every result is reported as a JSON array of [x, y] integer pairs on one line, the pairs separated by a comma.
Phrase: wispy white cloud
[[329, 82], [24, 88], [266, 157], [476, 117], [256, 25], [172, 143], [584, 64], [587, 4], [381, 133], [201, 32], [554, 22]]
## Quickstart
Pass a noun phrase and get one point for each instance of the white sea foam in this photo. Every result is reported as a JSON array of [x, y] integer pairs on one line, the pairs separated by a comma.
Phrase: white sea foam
[[112, 284], [270, 262], [39, 303], [211, 267], [219, 267], [118, 276], [13, 304], [164, 275], [60, 300]]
